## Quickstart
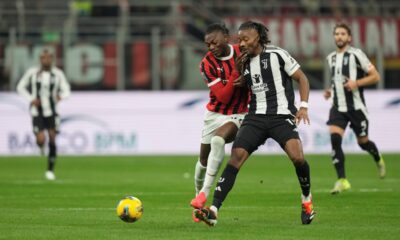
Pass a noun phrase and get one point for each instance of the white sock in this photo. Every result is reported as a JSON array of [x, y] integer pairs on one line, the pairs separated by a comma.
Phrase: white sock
[[199, 173], [214, 162], [306, 199], [214, 209]]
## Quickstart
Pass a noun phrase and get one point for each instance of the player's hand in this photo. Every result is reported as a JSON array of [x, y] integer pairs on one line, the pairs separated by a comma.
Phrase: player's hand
[[350, 85], [58, 98], [302, 115], [240, 61], [239, 82], [35, 102], [327, 94]]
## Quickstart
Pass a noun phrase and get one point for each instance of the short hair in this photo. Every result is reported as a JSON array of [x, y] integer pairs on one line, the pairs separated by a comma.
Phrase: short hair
[[261, 29], [217, 27], [342, 25]]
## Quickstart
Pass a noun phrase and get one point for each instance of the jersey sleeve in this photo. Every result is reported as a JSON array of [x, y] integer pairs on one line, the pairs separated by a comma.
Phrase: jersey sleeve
[[65, 89], [291, 65], [222, 92], [22, 87], [365, 63]]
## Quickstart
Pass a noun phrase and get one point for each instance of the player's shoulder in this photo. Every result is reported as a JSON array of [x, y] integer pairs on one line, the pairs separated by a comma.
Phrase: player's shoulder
[[330, 55], [356, 51], [32, 70], [57, 70], [276, 49]]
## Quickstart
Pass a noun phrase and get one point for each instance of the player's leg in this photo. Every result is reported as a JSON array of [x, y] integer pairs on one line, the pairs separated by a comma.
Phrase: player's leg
[[337, 124], [225, 134], [38, 130], [201, 167], [360, 125], [52, 155], [251, 135], [225, 184], [294, 150], [51, 123]]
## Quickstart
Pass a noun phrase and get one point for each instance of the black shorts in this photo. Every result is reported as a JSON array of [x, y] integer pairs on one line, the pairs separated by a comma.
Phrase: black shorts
[[358, 121], [40, 123], [257, 128]]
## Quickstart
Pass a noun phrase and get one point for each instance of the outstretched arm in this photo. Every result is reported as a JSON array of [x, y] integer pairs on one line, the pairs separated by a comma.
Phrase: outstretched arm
[[304, 90]]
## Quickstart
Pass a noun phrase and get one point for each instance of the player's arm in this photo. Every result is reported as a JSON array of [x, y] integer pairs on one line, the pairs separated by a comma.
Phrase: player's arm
[[292, 68], [65, 88], [328, 89], [222, 92], [304, 90], [22, 88], [371, 78]]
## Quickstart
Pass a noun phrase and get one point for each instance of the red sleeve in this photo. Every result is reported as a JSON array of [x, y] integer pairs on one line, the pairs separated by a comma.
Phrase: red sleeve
[[222, 92]]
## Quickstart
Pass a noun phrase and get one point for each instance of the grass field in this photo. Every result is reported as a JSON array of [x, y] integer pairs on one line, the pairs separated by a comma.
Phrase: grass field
[[264, 204]]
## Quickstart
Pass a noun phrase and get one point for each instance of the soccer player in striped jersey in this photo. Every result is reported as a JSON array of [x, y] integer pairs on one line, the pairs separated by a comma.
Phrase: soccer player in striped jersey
[[351, 71], [44, 87], [268, 72], [225, 110]]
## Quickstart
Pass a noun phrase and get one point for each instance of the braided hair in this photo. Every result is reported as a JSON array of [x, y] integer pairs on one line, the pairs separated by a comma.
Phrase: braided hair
[[260, 28]]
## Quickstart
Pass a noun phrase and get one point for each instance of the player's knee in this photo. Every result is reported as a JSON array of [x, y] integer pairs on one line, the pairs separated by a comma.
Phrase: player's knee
[[238, 157], [336, 140], [362, 141], [364, 145], [217, 141], [40, 139], [297, 159]]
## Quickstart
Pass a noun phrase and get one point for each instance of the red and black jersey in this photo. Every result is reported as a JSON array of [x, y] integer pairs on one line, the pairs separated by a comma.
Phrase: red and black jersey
[[219, 74]]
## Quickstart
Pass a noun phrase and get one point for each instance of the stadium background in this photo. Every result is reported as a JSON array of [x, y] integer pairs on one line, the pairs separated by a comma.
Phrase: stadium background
[[151, 49], [133, 68]]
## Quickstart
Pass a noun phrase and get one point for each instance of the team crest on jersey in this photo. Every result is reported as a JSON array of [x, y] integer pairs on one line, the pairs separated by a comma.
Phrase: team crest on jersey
[[345, 60], [265, 63], [256, 78]]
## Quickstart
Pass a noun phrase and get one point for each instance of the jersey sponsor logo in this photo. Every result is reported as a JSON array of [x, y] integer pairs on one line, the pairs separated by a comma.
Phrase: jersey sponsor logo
[[263, 87]]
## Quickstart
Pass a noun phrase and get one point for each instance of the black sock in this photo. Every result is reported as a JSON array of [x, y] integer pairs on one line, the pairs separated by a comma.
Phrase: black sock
[[52, 156], [225, 184], [372, 149], [338, 155], [303, 174]]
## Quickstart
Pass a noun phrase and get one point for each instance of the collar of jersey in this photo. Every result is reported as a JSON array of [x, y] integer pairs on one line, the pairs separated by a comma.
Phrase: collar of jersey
[[229, 56]]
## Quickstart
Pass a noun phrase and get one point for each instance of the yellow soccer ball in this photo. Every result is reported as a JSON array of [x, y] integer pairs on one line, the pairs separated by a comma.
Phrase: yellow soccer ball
[[130, 209]]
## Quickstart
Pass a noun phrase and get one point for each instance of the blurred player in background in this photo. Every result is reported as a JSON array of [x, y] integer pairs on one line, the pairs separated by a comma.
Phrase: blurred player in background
[[44, 87], [225, 110], [351, 71], [268, 71]]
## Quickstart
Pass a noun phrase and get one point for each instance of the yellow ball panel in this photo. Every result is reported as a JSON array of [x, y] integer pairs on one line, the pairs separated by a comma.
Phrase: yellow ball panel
[[130, 209]]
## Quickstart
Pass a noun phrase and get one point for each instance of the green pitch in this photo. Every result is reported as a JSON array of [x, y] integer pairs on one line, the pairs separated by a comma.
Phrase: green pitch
[[264, 204]]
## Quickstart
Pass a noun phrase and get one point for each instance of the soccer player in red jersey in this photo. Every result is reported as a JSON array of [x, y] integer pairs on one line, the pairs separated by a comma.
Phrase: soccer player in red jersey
[[225, 110]]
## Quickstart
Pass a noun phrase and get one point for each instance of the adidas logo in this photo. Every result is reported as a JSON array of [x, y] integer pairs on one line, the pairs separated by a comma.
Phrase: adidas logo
[[246, 72], [218, 188]]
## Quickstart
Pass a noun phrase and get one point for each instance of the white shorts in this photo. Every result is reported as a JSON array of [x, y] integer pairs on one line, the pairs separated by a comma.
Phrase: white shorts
[[213, 120]]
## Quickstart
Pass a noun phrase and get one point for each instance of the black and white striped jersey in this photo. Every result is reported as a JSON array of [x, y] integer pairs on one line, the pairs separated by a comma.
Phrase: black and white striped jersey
[[46, 86], [352, 64], [268, 76]]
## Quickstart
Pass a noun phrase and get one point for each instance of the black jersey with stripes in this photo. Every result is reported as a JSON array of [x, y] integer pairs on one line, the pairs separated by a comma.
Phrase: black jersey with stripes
[[268, 76], [351, 64]]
